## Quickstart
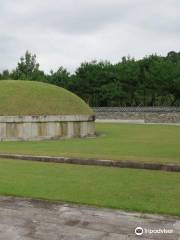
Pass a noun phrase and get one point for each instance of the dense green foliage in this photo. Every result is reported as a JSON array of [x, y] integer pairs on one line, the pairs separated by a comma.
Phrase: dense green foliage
[[151, 81], [36, 98], [128, 189], [144, 143]]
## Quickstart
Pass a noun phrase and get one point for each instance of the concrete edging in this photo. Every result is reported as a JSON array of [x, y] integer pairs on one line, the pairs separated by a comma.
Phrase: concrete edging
[[96, 162]]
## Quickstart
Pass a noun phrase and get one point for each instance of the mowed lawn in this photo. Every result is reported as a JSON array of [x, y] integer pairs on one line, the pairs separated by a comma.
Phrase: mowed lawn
[[128, 189], [148, 143]]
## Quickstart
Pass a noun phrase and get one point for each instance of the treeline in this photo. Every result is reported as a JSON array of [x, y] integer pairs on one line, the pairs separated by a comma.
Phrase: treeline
[[151, 81]]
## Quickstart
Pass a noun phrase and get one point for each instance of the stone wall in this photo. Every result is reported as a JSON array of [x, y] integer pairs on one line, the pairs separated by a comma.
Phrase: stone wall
[[45, 127], [144, 115]]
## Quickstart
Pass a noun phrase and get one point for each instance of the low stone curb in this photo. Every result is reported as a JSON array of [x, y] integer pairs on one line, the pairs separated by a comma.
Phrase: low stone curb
[[95, 162]]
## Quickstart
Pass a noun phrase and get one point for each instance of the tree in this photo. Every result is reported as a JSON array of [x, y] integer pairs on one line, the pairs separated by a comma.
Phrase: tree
[[129, 75], [60, 77], [89, 79], [6, 75], [28, 68], [151, 81]]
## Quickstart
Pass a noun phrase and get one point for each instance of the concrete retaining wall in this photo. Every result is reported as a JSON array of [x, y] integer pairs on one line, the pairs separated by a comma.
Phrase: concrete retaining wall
[[13, 128], [143, 115]]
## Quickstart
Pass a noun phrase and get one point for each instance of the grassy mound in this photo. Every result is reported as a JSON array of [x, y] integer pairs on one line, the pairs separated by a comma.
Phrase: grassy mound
[[35, 98]]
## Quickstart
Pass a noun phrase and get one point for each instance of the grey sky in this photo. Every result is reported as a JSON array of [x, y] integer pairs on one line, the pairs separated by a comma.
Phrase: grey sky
[[68, 32]]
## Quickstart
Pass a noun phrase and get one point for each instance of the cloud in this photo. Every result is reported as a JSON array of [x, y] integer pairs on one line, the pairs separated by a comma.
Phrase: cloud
[[69, 32]]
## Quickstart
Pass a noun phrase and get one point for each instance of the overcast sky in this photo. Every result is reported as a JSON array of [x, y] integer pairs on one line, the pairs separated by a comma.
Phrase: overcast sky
[[68, 32]]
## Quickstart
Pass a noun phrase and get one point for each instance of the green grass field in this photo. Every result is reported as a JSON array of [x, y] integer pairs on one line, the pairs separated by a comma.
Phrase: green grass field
[[128, 189], [146, 143]]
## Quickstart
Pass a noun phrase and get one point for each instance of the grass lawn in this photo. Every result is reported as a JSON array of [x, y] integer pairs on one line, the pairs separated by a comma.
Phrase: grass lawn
[[148, 143], [128, 189]]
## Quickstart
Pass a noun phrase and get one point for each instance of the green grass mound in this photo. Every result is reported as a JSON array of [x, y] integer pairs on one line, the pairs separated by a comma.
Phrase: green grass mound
[[19, 97]]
